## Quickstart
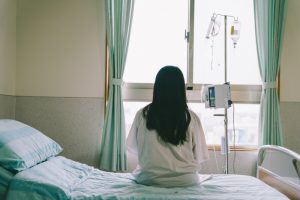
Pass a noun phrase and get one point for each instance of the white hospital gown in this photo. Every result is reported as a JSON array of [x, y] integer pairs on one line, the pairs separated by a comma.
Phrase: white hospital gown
[[164, 164]]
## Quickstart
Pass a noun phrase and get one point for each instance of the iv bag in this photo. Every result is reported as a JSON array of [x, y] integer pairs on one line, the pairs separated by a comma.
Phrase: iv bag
[[235, 32]]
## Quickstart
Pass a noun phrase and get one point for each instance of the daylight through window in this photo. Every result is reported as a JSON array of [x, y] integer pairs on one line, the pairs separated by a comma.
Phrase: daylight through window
[[158, 38]]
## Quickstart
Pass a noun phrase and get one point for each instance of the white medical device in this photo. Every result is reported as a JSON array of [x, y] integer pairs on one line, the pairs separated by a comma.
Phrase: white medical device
[[217, 96]]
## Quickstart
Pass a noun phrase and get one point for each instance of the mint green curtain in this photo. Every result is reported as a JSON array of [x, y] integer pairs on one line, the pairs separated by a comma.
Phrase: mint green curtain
[[118, 14], [269, 26]]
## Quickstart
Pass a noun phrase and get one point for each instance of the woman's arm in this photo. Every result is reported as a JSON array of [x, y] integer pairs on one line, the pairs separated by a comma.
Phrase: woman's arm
[[131, 142], [200, 149]]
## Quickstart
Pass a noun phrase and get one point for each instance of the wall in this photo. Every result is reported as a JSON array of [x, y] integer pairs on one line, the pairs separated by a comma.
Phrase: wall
[[75, 123], [289, 74], [7, 58], [7, 46], [60, 72], [289, 78], [239, 162], [7, 106], [61, 48]]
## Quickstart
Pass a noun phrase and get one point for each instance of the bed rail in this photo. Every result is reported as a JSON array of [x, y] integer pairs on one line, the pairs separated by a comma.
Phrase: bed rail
[[283, 184]]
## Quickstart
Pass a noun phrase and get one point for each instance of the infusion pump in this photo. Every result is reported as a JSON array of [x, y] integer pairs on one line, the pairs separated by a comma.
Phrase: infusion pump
[[217, 96]]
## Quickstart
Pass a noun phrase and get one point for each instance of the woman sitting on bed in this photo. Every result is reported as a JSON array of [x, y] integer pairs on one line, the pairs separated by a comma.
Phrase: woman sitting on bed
[[166, 136]]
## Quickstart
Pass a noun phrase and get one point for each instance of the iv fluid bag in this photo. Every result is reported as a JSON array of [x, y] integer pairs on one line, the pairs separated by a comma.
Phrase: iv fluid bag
[[235, 32]]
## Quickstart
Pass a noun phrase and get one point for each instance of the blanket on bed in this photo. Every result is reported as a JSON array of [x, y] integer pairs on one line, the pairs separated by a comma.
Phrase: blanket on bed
[[62, 178]]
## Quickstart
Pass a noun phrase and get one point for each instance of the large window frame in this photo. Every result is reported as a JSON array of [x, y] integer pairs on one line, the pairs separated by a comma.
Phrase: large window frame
[[242, 94]]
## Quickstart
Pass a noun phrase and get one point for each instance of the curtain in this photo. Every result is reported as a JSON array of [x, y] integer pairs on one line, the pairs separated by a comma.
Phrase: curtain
[[118, 14], [269, 26]]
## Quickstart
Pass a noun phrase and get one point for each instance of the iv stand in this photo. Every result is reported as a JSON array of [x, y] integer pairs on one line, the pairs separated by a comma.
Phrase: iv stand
[[225, 109], [210, 28], [225, 78]]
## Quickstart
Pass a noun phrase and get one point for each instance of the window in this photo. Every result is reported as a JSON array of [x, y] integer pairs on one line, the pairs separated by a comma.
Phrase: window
[[242, 131], [242, 60], [158, 39]]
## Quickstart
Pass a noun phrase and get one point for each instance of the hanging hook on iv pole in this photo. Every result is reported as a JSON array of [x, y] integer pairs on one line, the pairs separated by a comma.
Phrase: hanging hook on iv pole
[[214, 26]]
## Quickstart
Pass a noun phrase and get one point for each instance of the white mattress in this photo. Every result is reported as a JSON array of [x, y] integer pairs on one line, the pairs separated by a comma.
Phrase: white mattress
[[61, 178]]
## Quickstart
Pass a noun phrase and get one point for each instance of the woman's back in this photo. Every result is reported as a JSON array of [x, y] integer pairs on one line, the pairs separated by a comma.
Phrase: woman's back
[[164, 164], [167, 138]]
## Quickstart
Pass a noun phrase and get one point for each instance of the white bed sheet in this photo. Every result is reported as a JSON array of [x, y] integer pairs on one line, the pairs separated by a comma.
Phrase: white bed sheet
[[61, 178]]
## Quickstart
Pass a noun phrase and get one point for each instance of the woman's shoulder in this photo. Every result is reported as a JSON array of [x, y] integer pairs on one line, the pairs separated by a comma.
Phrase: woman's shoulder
[[140, 114], [140, 111], [193, 114], [194, 117]]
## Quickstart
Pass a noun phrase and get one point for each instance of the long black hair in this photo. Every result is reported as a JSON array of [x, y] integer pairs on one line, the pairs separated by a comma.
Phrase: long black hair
[[168, 113]]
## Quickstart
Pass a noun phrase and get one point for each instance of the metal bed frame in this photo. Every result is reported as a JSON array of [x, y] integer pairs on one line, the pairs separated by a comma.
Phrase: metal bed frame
[[290, 189]]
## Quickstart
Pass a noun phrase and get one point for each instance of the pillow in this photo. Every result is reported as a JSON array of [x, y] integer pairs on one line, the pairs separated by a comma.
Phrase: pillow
[[5, 177], [22, 146]]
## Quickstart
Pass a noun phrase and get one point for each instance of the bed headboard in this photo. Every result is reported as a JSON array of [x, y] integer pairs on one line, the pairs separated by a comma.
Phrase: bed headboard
[[279, 167]]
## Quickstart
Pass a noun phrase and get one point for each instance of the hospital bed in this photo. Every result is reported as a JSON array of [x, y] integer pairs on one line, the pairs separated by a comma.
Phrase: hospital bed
[[50, 176]]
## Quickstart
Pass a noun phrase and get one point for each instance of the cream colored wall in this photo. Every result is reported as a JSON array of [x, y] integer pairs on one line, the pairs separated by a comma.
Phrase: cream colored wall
[[61, 53], [7, 47], [61, 48], [290, 64], [289, 78]]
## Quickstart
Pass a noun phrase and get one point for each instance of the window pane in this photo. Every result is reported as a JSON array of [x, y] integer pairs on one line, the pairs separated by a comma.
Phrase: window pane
[[242, 64], [213, 126], [157, 39], [245, 119]]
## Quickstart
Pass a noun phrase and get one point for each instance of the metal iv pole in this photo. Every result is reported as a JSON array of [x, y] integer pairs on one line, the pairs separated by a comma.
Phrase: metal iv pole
[[225, 78], [225, 109]]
